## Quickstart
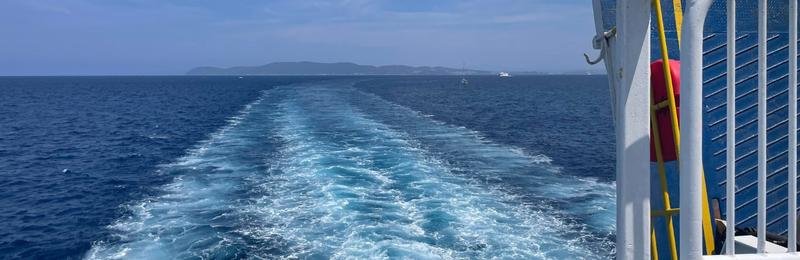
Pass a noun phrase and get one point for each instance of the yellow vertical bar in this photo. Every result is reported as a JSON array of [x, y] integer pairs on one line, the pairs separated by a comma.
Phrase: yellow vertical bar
[[708, 234], [653, 245], [676, 133], [663, 181], [677, 8]]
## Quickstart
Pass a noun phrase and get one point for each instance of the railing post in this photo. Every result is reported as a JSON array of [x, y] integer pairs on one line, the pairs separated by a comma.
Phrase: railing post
[[691, 164], [792, 214], [632, 69], [730, 165], [761, 218]]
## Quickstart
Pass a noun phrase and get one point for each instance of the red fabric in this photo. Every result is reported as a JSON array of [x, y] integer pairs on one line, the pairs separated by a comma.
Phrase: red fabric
[[658, 86]]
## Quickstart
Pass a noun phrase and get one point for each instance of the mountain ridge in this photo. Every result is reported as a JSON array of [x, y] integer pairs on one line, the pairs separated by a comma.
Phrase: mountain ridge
[[336, 68]]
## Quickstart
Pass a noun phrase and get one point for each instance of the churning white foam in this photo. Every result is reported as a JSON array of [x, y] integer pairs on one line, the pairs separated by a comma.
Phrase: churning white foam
[[339, 183]]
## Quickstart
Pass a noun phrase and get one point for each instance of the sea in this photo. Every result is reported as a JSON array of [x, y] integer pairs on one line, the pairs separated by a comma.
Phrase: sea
[[266, 167]]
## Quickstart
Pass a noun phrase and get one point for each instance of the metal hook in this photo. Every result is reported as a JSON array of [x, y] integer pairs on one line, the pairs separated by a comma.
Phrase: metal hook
[[600, 43], [596, 60]]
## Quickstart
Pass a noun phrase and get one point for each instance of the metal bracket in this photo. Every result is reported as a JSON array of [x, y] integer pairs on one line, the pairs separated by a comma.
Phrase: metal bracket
[[600, 43]]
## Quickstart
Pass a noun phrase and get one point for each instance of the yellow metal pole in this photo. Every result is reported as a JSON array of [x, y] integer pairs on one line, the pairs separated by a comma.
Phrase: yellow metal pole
[[662, 175], [653, 244], [708, 234], [678, 10], [676, 133]]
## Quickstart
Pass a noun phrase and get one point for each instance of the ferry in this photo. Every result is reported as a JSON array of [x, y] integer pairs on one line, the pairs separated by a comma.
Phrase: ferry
[[704, 98], [504, 74]]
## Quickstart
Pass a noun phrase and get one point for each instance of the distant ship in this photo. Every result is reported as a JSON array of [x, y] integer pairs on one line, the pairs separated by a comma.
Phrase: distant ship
[[464, 80], [504, 74]]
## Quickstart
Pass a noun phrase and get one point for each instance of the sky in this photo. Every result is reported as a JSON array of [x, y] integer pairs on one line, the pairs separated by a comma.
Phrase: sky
[[147, 37]]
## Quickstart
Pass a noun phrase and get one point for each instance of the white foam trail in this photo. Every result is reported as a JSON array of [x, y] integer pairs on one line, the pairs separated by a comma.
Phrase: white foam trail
[[305, 173], [491, 160], [187, 220], [372, 192]]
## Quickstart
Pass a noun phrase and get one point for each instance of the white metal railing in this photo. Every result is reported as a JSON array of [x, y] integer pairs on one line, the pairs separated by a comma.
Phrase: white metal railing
[[691, 121], [631, 71], [792, 217], [691, 243], [730, 168]]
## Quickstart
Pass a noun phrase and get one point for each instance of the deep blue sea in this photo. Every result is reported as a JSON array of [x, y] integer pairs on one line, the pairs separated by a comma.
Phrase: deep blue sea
[[306, 167]]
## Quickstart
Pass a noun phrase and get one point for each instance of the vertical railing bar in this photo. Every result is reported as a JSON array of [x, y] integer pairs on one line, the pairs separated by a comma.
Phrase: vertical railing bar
[[632, 69], [762, 126], [731, 131], [792, 214], [691, 122]]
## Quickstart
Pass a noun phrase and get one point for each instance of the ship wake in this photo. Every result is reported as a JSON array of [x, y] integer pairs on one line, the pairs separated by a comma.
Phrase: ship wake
[[326, 171]]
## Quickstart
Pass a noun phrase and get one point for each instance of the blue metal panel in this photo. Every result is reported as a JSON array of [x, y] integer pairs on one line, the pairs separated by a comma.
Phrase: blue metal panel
[[746, 132]]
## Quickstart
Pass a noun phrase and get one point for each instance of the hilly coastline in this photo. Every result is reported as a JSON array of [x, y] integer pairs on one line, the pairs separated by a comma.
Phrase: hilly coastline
[[340, 68]]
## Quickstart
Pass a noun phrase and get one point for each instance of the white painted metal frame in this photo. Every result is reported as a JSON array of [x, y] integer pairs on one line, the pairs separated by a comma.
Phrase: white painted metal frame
[[761, 225], [691, 121], [627, 60], [730, 167], [632, 72], [691, 246], [792, 218]]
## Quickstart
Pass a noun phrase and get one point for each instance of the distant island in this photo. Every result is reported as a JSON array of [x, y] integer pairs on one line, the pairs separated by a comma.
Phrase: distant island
[[339, 68]]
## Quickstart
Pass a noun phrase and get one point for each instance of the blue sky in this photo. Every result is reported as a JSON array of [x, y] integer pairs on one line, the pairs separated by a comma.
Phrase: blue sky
[[101, 37]]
